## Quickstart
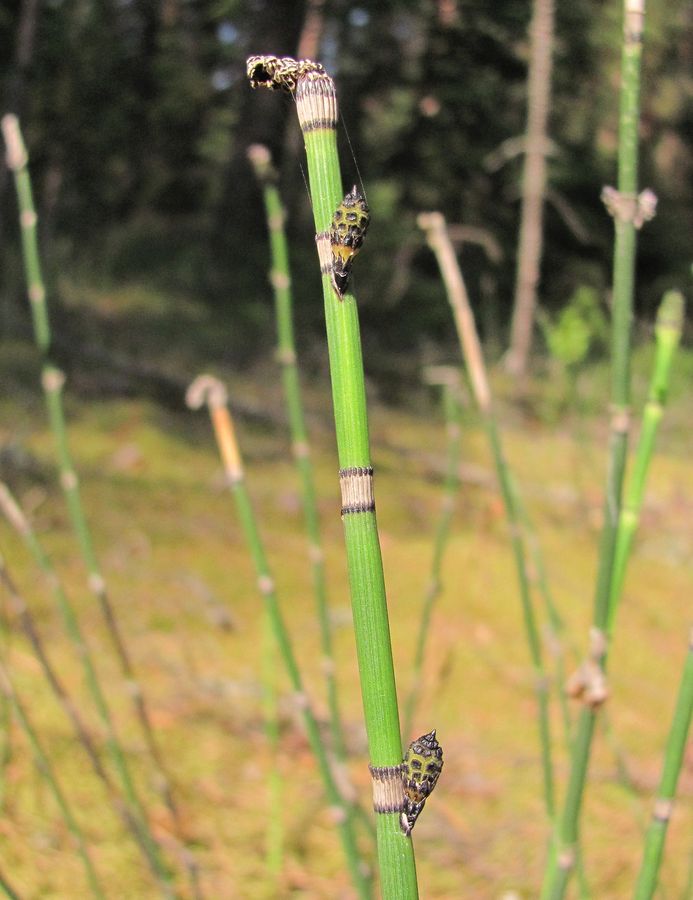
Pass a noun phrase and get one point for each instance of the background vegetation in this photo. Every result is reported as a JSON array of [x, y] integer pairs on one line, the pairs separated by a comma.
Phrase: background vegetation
[[137, 116]]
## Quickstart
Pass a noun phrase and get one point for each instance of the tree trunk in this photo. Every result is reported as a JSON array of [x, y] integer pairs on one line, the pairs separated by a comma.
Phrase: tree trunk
[[533, 187]]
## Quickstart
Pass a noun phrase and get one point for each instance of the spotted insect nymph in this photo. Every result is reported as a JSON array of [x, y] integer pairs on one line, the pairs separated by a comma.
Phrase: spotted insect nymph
[[421, 767], [349, 226]]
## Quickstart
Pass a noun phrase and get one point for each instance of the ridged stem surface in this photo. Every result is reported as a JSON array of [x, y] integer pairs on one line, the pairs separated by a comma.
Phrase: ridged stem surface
[[316, 103]]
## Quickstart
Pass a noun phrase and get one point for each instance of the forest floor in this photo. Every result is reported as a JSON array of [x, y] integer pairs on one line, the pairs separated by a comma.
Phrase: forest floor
[[182, 583]]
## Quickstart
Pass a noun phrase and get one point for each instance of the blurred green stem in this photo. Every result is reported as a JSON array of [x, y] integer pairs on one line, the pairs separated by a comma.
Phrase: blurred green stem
[[5, 886], [434, 226], [15, 516], [286, 354], [668, 335], [274, 837], [138, 827], [452, 409], [44, 766], [52, 381], [673, 761], [624, 207], [210, 391]]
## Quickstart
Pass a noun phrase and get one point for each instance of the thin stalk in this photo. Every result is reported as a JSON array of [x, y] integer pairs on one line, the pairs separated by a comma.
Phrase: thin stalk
[[688, 889], [673, 761], [5, 747], [557, 637], [316, 104], [5, 724], [210, 391], [5, 886], [52, 381], [286, 355], [668, 334], [448, 379], [274, 836], [561, 861], [44, 766], [141, 835], [15, 516], [438, 239]]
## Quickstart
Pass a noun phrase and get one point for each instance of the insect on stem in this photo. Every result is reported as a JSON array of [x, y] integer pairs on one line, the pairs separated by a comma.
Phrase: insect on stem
[[421, 768], [349, 226]]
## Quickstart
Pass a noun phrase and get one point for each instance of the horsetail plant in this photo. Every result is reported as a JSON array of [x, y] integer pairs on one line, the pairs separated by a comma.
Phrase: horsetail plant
[[629, 211], [210, 391], [316, 104], [448, 379], [434, 226], [137, 827], [44, 766], [673, 762], [274, 836], [136, 812], [280, 279], [52, 382], [667, 334]]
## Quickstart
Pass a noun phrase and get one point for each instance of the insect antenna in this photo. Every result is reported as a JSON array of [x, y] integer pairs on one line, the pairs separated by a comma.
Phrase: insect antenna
[[353, 155]]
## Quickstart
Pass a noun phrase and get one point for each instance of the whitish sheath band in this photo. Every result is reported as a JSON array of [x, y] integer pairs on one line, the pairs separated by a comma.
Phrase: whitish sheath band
[[316, 102], [663, 809], [322, 240], [388, 789], [356, 484]]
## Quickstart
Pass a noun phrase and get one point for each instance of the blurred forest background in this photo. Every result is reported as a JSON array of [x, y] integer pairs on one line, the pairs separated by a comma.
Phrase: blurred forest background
[[137, 116]]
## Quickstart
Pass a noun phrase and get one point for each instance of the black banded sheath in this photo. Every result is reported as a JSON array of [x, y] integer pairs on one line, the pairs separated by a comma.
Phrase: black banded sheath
[[356, 484]]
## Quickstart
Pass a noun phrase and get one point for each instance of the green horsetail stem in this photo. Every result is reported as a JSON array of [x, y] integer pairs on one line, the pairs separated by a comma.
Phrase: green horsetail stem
[[673, 761], [52, 381], [210, 391], [629, 212], [316, 105], [435, 228], [668, 335], [448, 379], [136, 820], [44, 766], [280, 279]]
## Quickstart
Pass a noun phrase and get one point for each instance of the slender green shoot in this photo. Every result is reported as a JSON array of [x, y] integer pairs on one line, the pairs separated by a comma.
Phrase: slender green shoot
[[448, 379], [673, 761], [52, 381], [316, 104], [668, 334], [434, 226], [286, 355], [210, 391], [274, 836], [136, 812], [5, 733], [589, 683], [5, 886], [46, 769]]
